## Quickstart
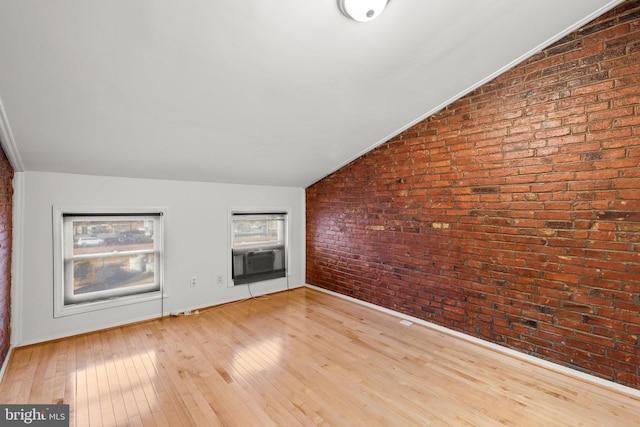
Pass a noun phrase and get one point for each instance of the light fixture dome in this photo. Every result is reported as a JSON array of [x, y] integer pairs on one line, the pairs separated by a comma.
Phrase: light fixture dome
[[362, 10]]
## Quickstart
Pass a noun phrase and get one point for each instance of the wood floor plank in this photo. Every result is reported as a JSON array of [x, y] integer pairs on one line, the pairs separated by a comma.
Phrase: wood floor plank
[[70, 385], [60, 378], [31, 385], [82, 399], [100, 376], [299, 358], [112, 344]]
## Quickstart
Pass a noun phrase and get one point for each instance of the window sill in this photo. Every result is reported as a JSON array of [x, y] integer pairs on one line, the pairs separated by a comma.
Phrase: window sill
[[73, 309]]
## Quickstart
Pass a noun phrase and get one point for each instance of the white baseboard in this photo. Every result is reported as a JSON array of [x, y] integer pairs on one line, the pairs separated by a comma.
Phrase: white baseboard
[[619, 388]]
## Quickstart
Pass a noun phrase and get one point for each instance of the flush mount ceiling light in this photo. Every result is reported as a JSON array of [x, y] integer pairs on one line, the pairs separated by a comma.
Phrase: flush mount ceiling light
[[362, 10]]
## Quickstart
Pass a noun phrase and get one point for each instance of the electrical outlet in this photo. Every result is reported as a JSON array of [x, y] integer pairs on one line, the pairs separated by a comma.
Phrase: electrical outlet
[[194, 281], [219, 279]]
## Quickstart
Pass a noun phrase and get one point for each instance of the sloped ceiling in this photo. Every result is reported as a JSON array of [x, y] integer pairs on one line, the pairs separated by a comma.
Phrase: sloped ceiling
[[253, 91]]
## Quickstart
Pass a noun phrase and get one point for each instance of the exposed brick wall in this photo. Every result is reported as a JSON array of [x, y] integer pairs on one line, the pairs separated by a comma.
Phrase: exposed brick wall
[[6, 198], [513, 215]]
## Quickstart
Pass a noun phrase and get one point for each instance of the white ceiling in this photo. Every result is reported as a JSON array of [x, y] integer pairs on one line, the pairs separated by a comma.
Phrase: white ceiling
[[245, 91]]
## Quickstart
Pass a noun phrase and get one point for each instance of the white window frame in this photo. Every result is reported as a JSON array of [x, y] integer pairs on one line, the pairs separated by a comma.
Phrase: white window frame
[[257, 211], [110, 298]]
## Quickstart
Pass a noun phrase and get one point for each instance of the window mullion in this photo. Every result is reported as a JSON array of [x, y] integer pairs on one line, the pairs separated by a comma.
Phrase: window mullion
[[114, 254]]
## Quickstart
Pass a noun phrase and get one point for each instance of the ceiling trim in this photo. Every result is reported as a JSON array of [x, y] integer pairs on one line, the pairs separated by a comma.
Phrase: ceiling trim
[[540, 47], [8, 143]]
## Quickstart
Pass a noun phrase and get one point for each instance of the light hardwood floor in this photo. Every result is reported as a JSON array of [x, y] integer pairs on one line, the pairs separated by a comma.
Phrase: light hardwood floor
[[300, 357]]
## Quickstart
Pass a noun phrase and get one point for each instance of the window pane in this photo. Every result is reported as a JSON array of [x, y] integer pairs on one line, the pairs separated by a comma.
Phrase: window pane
[[258, 247], [258, 232], [116, 272], [100, 236]]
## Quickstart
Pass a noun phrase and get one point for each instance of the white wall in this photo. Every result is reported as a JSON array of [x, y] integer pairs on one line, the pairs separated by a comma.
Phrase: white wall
[[196, 243]]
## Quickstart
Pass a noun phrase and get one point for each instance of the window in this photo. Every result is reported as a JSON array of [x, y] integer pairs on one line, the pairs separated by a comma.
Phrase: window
[[106, 259], [258, 246]]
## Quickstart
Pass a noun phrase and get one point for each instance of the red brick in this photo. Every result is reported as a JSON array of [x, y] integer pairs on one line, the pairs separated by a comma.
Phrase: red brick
[[539, 186], [6, 196], [593, 88]]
